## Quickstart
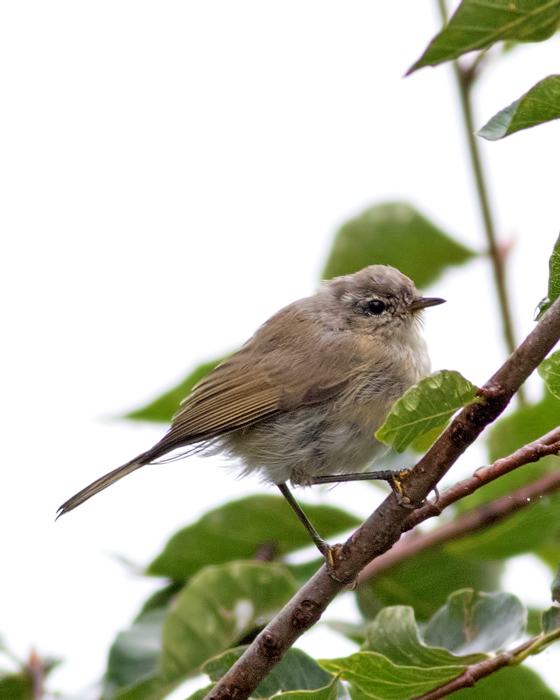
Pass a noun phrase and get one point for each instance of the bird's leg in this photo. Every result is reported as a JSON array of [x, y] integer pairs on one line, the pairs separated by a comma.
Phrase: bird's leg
[[326, 550], [393, 478]]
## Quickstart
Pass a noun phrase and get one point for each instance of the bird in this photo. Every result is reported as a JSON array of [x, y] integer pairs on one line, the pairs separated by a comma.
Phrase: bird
[[300, 401]]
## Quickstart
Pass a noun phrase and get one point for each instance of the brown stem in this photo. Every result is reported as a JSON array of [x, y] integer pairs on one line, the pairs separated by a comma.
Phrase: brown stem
[[36, 670], [383, 528], [476, 672], [544, 446], [471, 523]]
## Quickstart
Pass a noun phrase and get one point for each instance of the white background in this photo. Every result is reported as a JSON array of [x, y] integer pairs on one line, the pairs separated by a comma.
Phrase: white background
[[171, 175]]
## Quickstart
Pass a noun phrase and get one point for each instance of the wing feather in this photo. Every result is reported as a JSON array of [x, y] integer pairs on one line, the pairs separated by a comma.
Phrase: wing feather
[[283, 375]]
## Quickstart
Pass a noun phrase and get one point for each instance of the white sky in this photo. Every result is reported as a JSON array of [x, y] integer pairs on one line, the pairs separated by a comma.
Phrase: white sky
[[171, 175]]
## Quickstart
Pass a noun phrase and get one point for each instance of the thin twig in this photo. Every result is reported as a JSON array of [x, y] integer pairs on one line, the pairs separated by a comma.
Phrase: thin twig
[[544, 446], [383, 528], [477, 672], [465, 81], [471, 675], [35, 669], [470, 523]]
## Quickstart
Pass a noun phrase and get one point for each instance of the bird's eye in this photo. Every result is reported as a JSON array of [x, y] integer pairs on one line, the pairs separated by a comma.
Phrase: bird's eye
[[376, 307]]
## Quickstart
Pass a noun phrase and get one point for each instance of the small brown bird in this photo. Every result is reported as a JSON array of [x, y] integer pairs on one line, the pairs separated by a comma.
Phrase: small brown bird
[[302, 399]]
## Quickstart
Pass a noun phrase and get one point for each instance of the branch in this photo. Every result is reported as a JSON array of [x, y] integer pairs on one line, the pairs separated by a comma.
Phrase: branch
[[383, 528], [485, 668], [35, 669], [481, 517], [471, 523], [546, 445]]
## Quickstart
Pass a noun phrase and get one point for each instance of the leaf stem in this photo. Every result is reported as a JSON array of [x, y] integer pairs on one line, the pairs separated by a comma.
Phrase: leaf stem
[[538, 644], [465, 78]]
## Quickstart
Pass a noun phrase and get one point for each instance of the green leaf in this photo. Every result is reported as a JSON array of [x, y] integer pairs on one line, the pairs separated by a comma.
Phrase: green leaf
[[16, 686], [510, 683], [201, 693], [549, 370], [135, 654], [21, 685], [148, 662], [162, 409], [555, 587], [478, 25], [151, 689], [374, 676], [551, 619], [508, 46], [539, 105], [534, 621], [423, 442], [354, 631], [332, 691], [472, 622], [553, 281], [395, 234], [398, 663], [395, 635], [548, 554], [425, 582], [161, 598], [521, 533], [217, 608], [424, 407], [240, 530], [296, 671]]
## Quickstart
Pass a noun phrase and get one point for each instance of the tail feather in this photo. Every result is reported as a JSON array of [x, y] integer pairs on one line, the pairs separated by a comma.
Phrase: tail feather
[[102, 483], [168, 443]]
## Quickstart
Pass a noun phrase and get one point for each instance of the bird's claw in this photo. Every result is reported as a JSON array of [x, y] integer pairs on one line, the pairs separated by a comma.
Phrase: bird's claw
[[329, 552], [397, 486]]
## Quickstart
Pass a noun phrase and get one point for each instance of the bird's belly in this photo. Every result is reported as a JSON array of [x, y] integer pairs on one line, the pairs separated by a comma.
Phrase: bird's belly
[[337, 437], [310, 442]]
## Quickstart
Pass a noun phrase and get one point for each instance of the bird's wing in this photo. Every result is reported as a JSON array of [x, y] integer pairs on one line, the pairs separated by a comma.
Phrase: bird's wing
[[229, 397], [249, 386], [235, 395]]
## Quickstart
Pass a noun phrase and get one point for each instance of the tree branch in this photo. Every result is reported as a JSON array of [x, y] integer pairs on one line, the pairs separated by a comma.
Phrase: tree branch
[[471, 523], [485, 668], [383, 528], [544, 446]]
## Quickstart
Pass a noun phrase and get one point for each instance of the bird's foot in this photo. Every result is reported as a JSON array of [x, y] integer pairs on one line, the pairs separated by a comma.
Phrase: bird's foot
[[396, 483], [329, 553]]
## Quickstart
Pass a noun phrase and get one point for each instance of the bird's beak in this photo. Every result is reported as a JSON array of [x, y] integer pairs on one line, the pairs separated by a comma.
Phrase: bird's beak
[[423, 303]]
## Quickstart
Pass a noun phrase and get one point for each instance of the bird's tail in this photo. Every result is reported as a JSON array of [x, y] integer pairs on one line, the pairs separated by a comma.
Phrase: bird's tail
[[105, 481]]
